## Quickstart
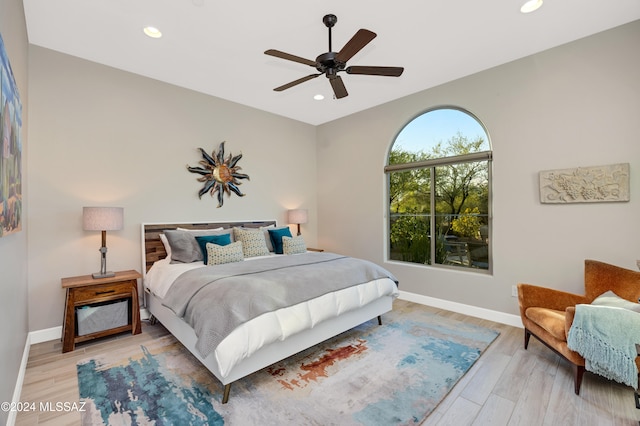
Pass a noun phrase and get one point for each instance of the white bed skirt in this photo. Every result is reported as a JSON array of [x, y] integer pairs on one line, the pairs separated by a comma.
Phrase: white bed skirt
[[272, 352]]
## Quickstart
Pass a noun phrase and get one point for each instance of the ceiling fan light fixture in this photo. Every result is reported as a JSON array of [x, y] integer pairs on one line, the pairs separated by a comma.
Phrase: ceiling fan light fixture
[[152, 32], [318, 97], [531, 6]]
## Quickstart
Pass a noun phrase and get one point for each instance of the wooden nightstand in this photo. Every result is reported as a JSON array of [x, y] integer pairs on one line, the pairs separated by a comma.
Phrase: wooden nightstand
[[85, 290]]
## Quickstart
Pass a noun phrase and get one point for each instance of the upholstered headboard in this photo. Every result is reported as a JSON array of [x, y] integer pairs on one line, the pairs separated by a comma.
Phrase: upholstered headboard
[[153, 249]]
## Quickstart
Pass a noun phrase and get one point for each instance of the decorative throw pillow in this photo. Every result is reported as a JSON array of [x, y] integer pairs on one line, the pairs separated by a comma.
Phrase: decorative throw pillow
[[184, 247], [293, 245], [275, 235], [253, 242], [221, 240], [613, 300], [217, 255]]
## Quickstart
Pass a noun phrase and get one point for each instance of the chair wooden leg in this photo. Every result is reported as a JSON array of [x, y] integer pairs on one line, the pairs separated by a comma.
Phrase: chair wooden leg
[[579, 373], [527, 336]]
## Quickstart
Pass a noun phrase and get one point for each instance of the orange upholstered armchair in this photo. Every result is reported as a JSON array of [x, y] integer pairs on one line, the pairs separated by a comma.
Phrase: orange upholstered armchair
[[547, 314]]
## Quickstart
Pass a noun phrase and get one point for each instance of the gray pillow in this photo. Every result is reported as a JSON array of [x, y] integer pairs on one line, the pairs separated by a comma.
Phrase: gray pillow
[[185, 248], [613, 300]]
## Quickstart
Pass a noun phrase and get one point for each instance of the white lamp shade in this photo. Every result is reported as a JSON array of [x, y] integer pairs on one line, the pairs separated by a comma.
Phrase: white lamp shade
[[102, 218], [297, 216]]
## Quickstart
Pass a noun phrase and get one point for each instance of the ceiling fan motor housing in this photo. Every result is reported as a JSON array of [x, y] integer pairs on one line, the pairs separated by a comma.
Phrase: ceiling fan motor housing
[[327, 63]]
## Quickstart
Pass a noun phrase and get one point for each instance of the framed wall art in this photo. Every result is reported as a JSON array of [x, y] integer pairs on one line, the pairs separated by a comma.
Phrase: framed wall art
[[10, 149]]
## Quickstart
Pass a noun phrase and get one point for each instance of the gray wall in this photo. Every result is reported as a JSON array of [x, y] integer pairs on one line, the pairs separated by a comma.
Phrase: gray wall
[[100, 136], [105, 137], [575, 105], [13, 248]]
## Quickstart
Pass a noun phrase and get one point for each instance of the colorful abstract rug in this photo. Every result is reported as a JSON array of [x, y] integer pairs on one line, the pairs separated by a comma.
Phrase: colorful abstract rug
[[396, 373]]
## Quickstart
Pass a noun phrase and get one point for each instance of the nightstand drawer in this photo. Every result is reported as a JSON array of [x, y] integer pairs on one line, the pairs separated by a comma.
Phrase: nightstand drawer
[[101, 292]]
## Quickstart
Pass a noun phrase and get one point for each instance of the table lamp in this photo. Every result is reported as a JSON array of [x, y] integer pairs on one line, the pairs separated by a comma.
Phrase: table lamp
[[297, 216], [103, 219]]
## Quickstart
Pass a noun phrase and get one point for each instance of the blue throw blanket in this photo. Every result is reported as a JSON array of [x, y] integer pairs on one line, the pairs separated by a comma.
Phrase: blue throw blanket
[[606, 338]]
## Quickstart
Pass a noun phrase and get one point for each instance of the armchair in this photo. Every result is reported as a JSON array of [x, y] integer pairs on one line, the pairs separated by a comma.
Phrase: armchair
[[547, 314]]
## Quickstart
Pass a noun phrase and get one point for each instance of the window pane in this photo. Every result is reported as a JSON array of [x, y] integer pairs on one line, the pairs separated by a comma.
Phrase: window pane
[[410, 240], [424, 134], [409, 193], [462, 206]]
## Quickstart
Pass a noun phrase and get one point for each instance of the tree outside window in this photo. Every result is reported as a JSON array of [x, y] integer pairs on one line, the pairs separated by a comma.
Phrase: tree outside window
[[439, 173]]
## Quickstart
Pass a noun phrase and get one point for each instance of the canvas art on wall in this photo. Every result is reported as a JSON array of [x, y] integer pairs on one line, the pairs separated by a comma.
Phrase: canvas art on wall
[[10, 149], [585, 184]]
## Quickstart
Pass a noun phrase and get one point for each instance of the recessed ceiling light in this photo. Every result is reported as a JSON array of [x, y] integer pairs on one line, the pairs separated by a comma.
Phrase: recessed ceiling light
[[318, 97], [152, 32], [530, 6]]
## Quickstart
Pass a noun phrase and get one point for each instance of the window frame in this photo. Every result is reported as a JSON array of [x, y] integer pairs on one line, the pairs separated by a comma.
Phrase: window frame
[[432, 164]]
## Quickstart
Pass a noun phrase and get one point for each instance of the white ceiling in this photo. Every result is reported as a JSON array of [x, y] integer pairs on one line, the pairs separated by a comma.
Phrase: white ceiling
[[216, 47]]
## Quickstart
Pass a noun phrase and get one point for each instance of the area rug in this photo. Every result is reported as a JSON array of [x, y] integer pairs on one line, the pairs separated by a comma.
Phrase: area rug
[[392, 374]]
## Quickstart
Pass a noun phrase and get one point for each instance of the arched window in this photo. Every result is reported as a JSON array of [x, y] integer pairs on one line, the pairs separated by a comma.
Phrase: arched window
[[439, 182]]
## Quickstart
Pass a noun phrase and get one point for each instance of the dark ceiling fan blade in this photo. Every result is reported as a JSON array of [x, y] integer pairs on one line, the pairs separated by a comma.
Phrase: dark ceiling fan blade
[[353, 46], [338, 87], [384, 71], [290, 57], [295, 82]]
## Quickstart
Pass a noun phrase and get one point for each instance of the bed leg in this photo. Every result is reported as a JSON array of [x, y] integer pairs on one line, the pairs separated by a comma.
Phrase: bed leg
[[379, 319], [225, 395]]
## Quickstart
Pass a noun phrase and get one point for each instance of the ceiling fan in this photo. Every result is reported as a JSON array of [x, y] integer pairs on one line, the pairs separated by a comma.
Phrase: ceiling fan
[[331, 63]]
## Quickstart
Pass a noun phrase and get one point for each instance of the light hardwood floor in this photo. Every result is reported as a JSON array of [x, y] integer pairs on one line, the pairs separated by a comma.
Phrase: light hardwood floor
[[506, 386]]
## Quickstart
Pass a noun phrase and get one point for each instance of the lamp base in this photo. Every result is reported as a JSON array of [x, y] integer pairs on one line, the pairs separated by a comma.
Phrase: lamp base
[[108, 274]]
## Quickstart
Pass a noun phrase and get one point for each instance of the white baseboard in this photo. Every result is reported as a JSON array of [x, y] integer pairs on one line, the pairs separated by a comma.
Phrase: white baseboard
[[32, 338], [45, 335], [17, 391], [461, 308]]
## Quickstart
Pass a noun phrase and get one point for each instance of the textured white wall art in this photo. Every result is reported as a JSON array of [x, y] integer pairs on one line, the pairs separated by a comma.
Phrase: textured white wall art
[[585, 184]]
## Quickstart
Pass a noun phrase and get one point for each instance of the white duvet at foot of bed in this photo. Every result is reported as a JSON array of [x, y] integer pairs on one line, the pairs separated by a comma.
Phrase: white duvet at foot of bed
[[278, 325]]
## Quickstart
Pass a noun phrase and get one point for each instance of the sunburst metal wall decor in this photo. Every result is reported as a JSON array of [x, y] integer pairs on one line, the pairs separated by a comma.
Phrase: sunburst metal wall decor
[[219, 174]]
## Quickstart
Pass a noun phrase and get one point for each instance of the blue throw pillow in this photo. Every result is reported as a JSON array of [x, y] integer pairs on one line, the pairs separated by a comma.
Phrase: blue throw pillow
[[276, 238], [221, 240]]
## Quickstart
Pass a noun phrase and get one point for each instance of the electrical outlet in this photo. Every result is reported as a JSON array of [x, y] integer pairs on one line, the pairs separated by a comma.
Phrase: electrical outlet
[[514, 291]]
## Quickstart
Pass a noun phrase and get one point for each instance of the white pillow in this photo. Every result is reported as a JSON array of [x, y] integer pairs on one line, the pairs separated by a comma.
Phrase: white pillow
[[165, 243], [613, 300], [217, 255], [267, 238], [293, 245]]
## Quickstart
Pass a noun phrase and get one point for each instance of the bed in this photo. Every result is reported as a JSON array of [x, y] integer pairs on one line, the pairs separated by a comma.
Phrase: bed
[[272, 334]]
